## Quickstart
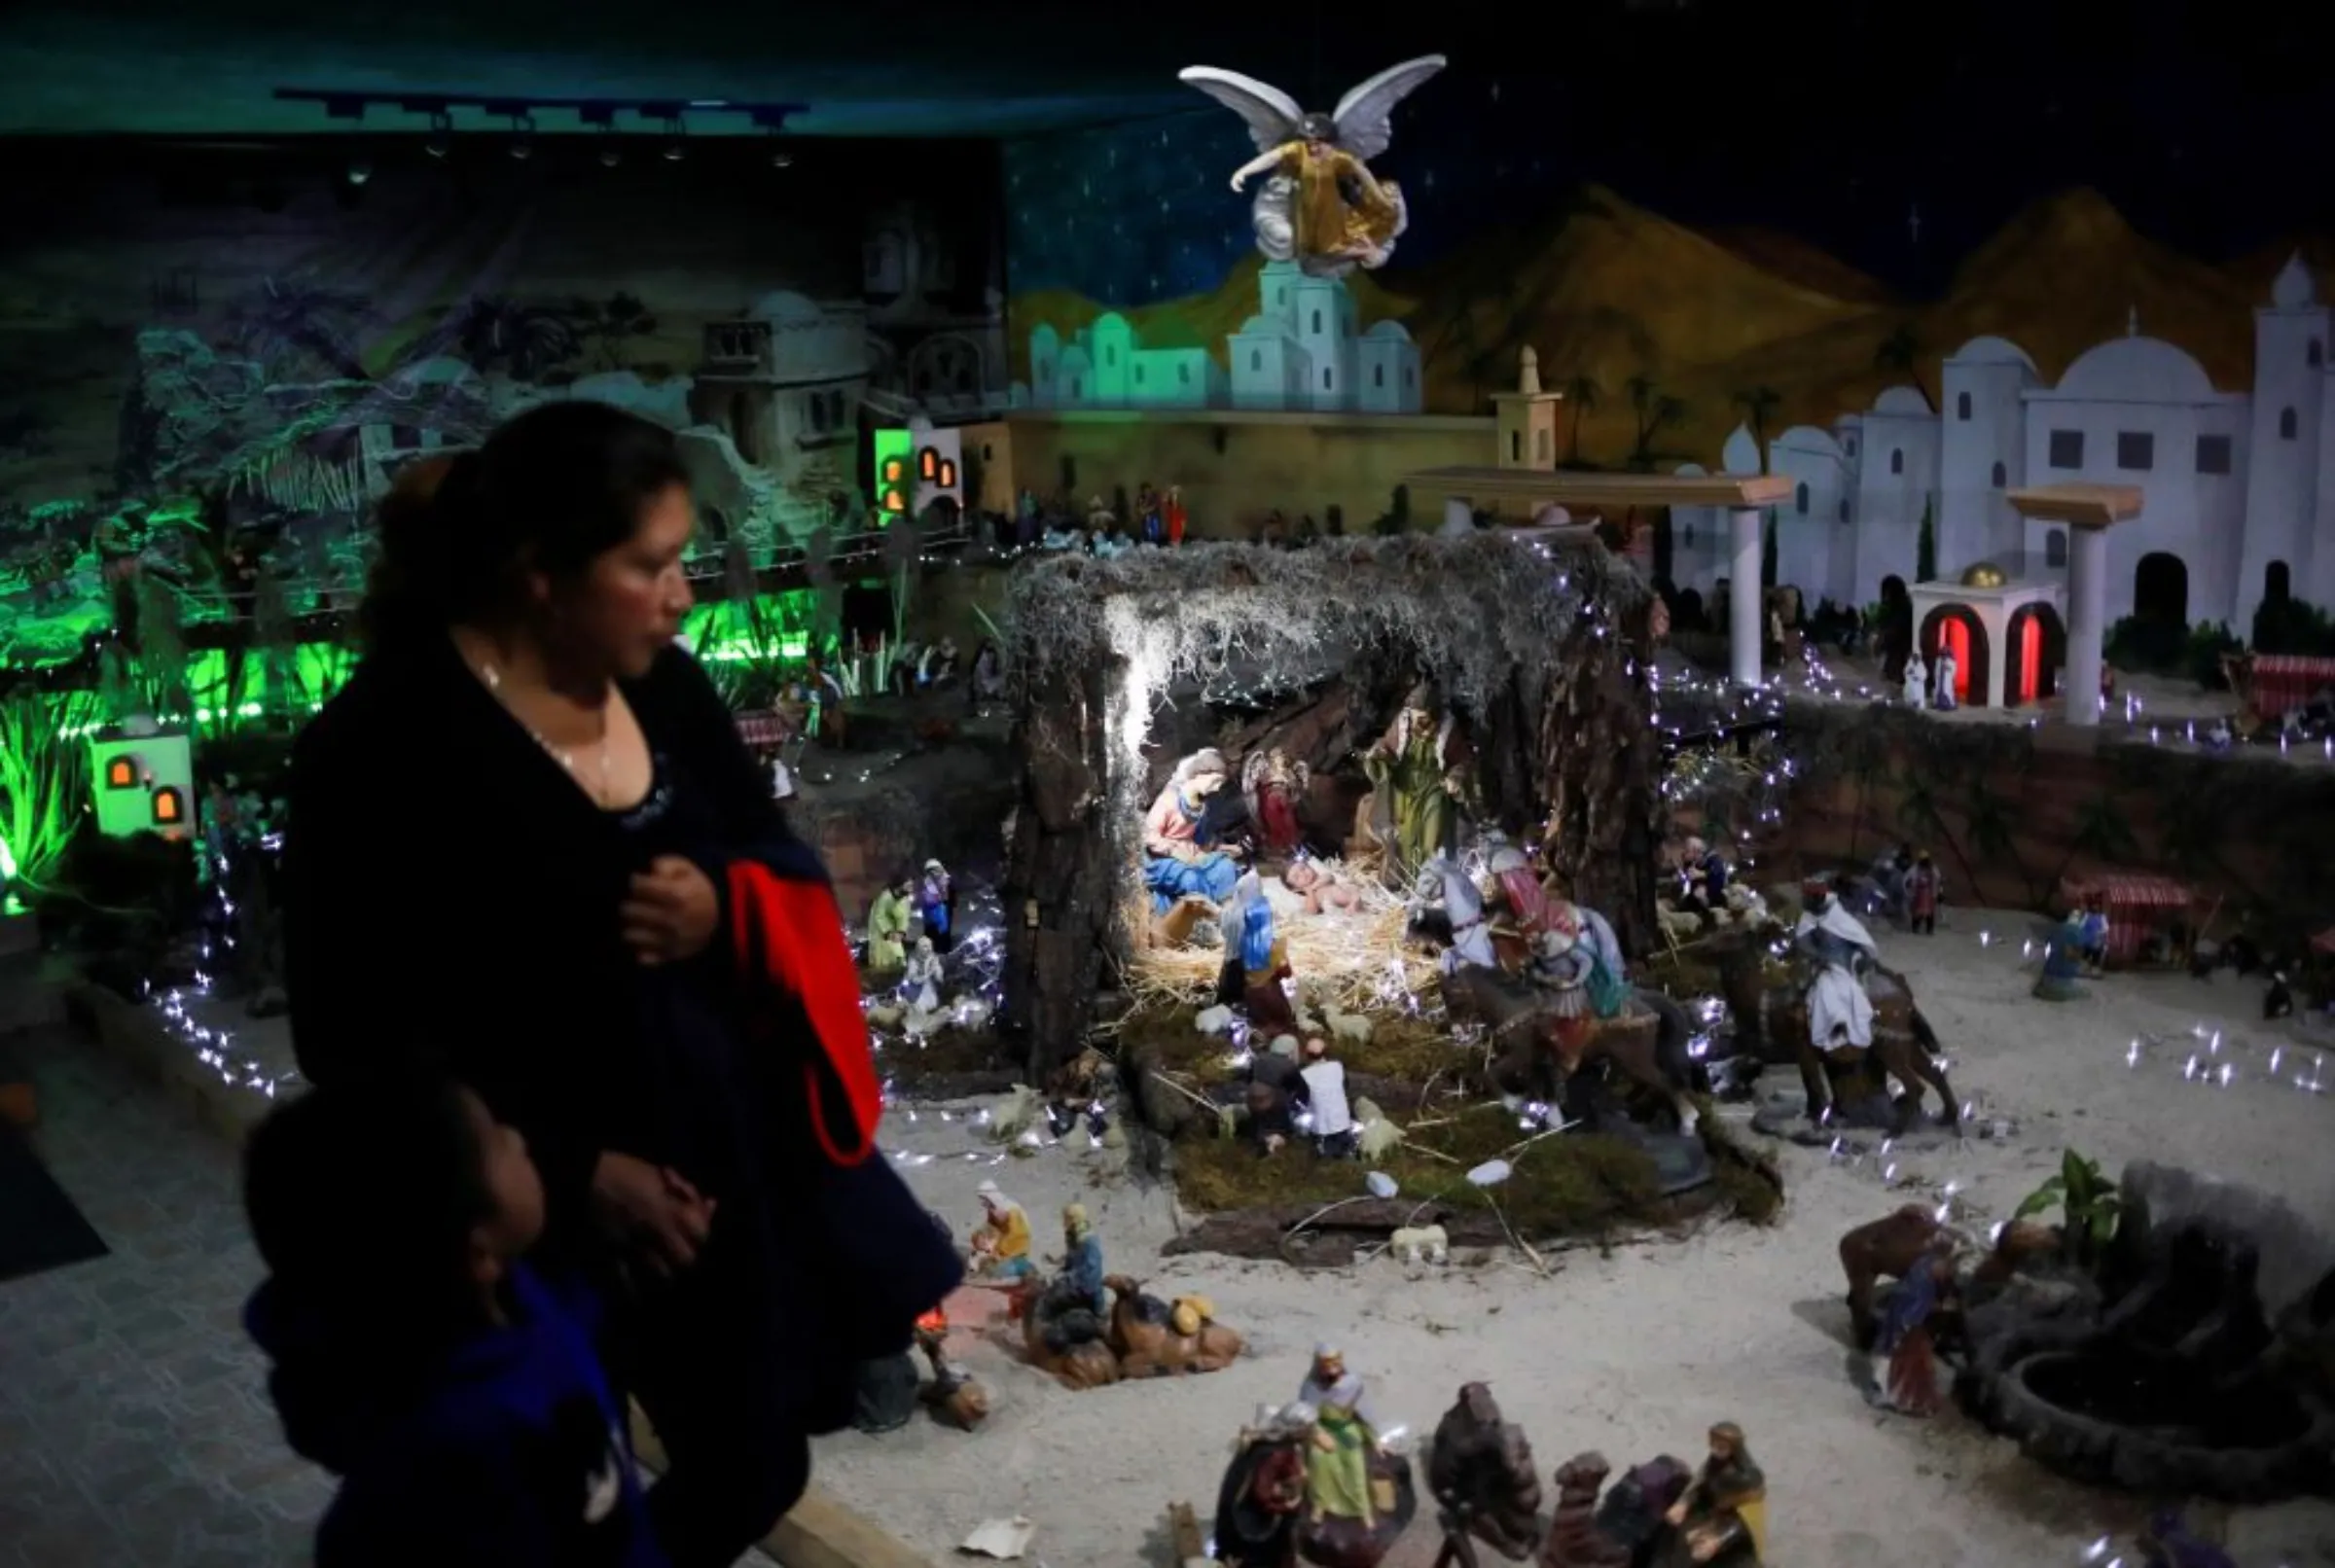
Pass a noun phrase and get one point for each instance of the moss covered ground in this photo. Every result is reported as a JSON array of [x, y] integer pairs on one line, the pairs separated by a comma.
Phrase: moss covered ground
[[1563, 1184]]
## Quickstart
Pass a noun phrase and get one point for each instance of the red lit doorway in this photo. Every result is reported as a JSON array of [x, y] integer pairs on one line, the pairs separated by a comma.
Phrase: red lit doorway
[[2038, 646], [1955, 627]]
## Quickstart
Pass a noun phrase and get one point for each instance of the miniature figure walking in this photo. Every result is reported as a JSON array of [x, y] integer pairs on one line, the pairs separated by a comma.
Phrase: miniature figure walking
[[1921, 891]]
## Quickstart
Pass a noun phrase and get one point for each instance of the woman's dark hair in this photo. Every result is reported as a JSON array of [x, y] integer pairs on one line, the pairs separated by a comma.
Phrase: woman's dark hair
[[362, 1200], [551, 490]]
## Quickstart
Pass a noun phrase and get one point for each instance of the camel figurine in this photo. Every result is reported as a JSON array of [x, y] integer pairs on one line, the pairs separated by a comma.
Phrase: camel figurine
[[1145, 1338], [1156, 1338]]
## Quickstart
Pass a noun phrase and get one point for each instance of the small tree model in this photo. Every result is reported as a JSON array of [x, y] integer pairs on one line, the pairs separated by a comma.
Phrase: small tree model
[[2089, 1206]]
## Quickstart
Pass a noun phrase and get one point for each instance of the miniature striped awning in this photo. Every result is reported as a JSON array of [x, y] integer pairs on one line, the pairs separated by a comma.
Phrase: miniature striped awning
[[2283, 681], [2129, 899]]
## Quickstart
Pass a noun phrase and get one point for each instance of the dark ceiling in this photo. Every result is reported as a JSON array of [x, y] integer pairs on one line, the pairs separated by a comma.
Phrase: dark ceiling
[[900, 69]]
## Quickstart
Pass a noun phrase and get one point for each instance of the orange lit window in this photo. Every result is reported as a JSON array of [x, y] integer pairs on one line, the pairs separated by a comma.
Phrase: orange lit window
[[928, 462], [894, 471], [894, 501], [168, 808], [120, 775], [947, 479]]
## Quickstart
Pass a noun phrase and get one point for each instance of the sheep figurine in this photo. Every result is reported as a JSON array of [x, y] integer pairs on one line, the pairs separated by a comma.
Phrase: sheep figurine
[[1421, 1243]]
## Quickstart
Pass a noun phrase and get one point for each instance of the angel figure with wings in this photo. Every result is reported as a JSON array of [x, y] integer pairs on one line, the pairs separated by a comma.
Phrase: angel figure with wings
[[1273, 785], [1320, 205]]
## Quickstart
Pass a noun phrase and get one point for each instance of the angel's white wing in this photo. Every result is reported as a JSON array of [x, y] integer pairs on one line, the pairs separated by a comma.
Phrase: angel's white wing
[[1365, 116], [1270, 114]]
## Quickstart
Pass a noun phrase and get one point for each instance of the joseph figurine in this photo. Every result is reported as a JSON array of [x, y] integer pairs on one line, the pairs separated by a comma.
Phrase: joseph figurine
[[1423, 773]]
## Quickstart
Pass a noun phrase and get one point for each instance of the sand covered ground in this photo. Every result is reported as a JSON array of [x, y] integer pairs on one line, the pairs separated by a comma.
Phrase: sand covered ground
[[1636, 1351]]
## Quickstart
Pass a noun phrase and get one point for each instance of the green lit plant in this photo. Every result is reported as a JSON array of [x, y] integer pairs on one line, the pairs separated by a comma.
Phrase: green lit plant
[[2089, 1206], [43, 780]]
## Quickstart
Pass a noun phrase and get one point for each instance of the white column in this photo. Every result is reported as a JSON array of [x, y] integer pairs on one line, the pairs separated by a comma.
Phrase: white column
[[1746, 623], [1458, 515], [2087, 620]]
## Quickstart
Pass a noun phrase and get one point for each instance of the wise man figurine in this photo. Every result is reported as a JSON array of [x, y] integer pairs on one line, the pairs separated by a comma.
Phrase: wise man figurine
[[1917, 681]]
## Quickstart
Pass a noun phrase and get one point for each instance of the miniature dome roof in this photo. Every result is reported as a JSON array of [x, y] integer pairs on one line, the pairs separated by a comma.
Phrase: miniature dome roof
[[1985, 574], [2136, 370], [1991, 350], [1740, 455], [2293, 288], [784, 305], [1385, 330], [1811, 439], [1902, 400]]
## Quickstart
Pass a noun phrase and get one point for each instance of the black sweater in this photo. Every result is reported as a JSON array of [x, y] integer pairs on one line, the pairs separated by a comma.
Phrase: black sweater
[[452, 896]]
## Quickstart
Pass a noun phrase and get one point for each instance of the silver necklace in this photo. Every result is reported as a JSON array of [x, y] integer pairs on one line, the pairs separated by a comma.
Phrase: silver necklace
[[494, 679]]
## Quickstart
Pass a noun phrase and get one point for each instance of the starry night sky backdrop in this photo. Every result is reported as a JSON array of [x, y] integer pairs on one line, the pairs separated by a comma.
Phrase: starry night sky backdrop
[[1895, 146]]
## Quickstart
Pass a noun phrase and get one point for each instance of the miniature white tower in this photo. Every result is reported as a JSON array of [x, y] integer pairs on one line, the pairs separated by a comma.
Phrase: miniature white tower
[[2281, 469], [1322, 313], [1527, 419]]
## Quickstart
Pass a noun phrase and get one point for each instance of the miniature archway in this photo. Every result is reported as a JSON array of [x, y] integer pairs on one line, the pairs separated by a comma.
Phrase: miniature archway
[[1956, 626], [2034, 646], [2161, 589]]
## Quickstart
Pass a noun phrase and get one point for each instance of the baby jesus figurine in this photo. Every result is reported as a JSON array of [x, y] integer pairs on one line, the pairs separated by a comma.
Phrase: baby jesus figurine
[[1322, 889]]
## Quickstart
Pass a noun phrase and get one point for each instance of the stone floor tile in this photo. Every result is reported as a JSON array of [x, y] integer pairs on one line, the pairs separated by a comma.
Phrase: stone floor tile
[[135, 1430]]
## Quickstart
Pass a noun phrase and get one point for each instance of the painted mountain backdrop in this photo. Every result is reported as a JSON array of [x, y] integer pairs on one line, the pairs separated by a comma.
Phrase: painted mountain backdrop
[[1642, 320]]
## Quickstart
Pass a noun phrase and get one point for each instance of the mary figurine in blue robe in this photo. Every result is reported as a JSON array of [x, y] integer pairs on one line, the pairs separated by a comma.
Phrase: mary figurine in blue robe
[[1176, 864]]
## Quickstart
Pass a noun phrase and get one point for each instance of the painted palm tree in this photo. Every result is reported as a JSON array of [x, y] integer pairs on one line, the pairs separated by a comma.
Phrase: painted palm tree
[[611, 323], [285, 319], [1901, 353], [1584, 394], [2101, 835], [1987, 817], [1921, 813], [1758, 403], [523, 340], [1655, 410]]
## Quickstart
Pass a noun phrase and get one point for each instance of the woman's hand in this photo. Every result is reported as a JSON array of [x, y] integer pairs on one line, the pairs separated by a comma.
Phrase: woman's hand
[[651, 1208], [671, 911]]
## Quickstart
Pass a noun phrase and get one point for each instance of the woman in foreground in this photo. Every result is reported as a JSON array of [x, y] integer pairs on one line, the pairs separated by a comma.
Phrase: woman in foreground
[[527, 848]]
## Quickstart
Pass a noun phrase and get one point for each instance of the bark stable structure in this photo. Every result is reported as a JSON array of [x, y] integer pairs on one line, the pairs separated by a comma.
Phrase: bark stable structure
[[1537, 642]]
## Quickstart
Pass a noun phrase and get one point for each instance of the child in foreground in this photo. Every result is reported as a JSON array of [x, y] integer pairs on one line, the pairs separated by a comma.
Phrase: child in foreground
[[457, 1397]]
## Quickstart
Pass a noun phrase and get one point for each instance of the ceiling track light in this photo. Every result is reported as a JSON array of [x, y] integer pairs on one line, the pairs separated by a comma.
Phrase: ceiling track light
[[601, 114]]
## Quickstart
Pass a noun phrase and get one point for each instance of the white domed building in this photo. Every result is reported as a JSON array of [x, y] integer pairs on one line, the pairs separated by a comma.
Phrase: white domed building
[[2239, 487]]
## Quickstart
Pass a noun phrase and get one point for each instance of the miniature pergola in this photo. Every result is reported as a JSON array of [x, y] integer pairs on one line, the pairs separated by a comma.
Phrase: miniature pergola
[[1538, 642], [2088, 511], [1744, 496], [2012, 631]]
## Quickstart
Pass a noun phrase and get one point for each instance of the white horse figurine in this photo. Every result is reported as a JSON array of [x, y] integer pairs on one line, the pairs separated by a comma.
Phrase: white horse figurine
[[1442, 883]]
